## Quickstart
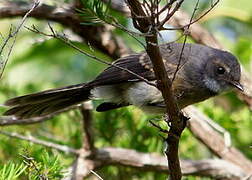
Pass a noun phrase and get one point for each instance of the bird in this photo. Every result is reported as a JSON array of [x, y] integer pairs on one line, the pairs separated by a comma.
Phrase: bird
[[201, 72]]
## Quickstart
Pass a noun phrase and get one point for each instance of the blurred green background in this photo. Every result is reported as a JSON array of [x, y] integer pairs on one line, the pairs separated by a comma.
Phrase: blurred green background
[[38, 63]]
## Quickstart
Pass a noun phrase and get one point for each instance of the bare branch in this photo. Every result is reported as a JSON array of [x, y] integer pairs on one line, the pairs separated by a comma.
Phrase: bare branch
[[9, 120], [59, 147], [206, 12], [153, 162], [216, 168], [175, 118], [202, 131]]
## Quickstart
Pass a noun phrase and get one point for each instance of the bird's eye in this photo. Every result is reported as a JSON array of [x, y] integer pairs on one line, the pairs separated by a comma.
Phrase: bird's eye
[[221, 70]]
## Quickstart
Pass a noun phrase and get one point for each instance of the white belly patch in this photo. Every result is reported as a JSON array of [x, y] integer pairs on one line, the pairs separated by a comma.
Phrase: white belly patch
[[135, 93]]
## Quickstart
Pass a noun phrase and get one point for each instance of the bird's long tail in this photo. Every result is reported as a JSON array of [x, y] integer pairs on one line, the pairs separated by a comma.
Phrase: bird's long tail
[[47, 102]]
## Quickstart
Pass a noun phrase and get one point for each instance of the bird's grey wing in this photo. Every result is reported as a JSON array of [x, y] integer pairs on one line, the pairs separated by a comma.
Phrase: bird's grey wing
[[137, 63], [114, 75]]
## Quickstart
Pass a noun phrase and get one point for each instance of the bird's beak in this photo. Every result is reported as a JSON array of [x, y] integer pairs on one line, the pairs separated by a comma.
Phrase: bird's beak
[[237, 85]]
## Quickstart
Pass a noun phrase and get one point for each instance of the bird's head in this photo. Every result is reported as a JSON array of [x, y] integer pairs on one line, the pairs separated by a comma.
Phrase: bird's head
[[221, 72]]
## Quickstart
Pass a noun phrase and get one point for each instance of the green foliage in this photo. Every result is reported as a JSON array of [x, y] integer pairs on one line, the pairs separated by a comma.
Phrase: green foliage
[[46, 168], [94, 12], [11, 171], [236, 120], [243, 50]]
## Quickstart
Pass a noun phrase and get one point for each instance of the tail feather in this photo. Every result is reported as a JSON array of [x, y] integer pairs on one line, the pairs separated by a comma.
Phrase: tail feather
[[45, 95], [47, 102]]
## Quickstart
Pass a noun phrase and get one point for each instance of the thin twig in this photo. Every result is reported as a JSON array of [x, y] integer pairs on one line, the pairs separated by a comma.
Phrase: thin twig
[[169, 15], [165, 7], [185, 39], [158, 127], [97, 175], [195, 20], [206, 12], [32, 139], [14, 35]]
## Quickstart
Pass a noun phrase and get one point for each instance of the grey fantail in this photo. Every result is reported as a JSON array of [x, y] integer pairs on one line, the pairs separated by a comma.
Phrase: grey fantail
[[203, 72]]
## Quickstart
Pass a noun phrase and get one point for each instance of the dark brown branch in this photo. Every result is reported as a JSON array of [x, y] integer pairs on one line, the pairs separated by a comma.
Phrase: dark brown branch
[[174, 115], [146, 24]]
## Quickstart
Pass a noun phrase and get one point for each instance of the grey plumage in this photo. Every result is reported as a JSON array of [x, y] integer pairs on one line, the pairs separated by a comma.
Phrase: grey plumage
[[196, 80]]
